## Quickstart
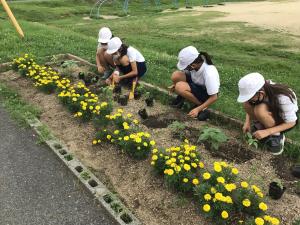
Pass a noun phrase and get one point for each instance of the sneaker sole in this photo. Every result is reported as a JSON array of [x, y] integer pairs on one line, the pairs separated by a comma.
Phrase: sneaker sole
[[282, 148]]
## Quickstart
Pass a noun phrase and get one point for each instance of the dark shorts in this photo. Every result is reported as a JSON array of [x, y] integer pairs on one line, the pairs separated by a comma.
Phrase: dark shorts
[[199, 91], [141, 68]]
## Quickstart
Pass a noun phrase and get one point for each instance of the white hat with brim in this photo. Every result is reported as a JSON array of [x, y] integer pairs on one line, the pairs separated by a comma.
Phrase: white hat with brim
[[104, 35], [249, 85], [113, 45], [186, 56]]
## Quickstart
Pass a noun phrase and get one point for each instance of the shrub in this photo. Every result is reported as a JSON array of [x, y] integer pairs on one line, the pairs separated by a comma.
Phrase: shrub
[[213, 136]]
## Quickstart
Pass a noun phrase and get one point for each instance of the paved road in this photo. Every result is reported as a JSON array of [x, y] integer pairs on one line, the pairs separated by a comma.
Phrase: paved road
[[36, 188]]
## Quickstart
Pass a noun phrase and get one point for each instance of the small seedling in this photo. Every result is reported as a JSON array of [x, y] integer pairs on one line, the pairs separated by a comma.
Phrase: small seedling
[[107, 198], [68, 157], [250, 140], [85, 175], [116, 207], [68, 63], [279, 183], [214, 136], [177, 129]]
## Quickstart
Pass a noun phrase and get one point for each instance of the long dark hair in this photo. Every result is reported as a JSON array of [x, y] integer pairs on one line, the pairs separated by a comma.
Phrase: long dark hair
[[204, 55], [123, 50], [272, 91]]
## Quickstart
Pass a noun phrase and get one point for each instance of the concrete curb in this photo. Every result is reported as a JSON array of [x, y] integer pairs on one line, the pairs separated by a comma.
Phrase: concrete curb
[[101, 193]]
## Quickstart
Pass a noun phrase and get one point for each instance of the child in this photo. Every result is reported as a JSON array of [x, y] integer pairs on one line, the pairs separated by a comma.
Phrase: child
[[271, 107], [104, 61], [129, 61], [197, 81]]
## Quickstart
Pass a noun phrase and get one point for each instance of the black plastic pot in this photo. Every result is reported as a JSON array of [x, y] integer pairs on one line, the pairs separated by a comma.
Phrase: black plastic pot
[[275, 190], [116, 98], [81, 75], [137, 95], [149, 101], [296, 171], [143, 114], [123, 100], [117, 89]]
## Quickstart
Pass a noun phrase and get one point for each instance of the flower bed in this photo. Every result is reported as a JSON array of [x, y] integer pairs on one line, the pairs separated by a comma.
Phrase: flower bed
[[218, 190]]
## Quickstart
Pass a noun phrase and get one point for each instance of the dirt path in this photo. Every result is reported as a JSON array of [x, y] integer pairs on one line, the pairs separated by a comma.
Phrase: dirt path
[[281, 16]]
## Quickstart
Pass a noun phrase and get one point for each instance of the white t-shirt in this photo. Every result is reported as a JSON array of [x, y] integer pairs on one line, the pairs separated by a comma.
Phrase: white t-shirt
[[208, 76], [289, 108], [134, 55]]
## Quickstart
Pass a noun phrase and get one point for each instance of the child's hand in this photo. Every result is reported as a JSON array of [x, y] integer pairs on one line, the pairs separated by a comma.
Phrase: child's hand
[[117, 78], [108, 81]]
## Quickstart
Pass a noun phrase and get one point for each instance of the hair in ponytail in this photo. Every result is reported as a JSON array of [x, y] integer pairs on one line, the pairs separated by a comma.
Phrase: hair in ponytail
[[204, 56], [272, 91]]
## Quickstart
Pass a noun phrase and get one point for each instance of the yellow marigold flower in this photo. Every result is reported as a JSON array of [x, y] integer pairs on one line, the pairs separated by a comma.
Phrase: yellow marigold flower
[[259, 221], [135, 121], [229, 200], [221, 180], [145, 144], [186, 141], [170, 172], [147, 135], [177, 168], [213, 190], [201, 165], [154, 157], [255, 188], [260, 194], [154, 150], [207, 197], [108, 137], [126, 138], [185, 180], [103, 104], [79, 113], [263, 206], [129, 115], [138, 140], [224, 214], [246, 202], [94, 142], [244, 184], [230, 187], [224, 164], [97, 107], [182, 160], [152, 163], [206, 176], [217, 167], [152, 143], [235, 171], [218, 196], [187, 158], [186, 167], [99, 141], [116, 132], [194, 165], [174, 154], [173, 160], [206, 208], [193, 155], [275, 221], [168, 162], [195, 181]]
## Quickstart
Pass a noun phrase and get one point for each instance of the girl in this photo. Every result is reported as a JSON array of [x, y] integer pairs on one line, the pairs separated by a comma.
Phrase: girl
[[129, 61], [197, 81], [272, 107], [104, 61]]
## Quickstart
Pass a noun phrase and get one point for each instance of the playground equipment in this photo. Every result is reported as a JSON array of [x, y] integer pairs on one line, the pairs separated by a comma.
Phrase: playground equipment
[[96, 9], [12, 18]]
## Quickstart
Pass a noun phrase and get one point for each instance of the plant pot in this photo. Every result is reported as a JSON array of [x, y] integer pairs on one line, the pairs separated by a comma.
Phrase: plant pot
[[117, 98], [149, 101], [123, 100], [275, 191], [296, 171], [81, 75], [143, 114], [137, 95], [117, 89]]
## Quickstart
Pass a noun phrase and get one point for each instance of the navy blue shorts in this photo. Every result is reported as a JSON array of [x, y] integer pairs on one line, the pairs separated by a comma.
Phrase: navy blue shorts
[[199, 91]]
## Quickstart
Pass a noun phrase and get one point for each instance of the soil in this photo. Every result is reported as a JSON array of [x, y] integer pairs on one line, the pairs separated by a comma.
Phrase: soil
[[134, 181]]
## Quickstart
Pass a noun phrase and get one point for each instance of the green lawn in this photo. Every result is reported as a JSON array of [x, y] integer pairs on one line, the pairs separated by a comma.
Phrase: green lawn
[[53, 27]]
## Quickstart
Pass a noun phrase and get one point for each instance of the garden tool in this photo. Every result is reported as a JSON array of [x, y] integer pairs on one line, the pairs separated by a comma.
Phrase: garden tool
[[12, 18], [131, 94]]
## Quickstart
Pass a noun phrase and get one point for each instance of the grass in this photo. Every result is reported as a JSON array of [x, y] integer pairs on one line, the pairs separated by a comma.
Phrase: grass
[[44, 134], [18, 109], [53, 27]]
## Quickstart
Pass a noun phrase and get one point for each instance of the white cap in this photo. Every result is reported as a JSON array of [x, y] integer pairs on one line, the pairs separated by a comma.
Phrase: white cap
[[104, 35], [113, 45], [186, 56], [249, 85]]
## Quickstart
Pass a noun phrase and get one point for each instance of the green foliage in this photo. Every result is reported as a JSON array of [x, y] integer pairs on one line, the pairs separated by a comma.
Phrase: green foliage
[[44, 134], [177, 128], [85, 175], [279, 183], [251, 141], [213, 136]]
